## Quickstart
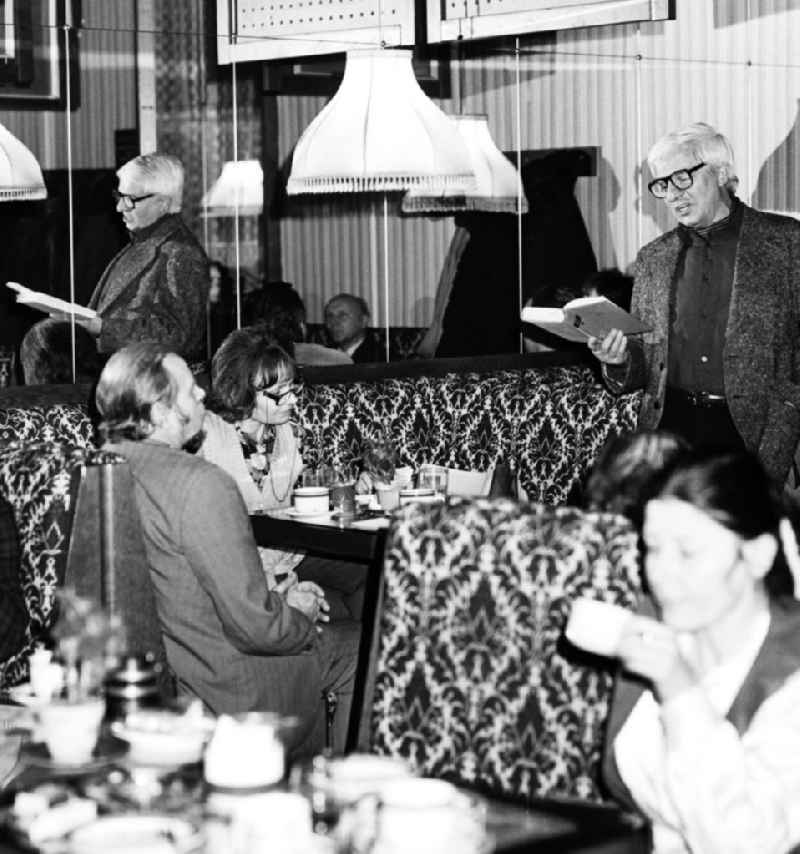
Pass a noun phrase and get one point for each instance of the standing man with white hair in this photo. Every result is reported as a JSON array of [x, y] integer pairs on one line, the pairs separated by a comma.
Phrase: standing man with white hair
[[156, 288], [721, 292]]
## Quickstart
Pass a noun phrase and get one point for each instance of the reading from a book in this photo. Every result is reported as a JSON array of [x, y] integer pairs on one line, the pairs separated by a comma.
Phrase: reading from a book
[[47, 302], [584, 318]]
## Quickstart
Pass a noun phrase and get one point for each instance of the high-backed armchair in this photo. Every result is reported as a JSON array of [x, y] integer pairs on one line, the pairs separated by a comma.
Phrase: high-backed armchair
[[475, 681]]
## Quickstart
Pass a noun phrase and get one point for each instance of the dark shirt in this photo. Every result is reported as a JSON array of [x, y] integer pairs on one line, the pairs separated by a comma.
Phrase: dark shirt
[[13, 613], [703, 284]]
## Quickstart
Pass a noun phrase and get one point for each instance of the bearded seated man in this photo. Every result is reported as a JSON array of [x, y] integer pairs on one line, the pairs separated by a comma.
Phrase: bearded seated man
[[229, 640]]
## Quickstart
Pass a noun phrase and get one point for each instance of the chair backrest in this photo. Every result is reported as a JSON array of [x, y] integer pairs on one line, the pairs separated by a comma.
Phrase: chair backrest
[[107, 558], [78, 525], [474, 679]]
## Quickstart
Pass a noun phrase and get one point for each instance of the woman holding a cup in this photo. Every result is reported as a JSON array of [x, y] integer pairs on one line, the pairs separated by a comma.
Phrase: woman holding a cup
[[704, 734], [249, 432]]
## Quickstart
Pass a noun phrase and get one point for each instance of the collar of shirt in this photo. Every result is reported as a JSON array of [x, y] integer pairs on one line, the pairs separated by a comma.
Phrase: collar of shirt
[[351, 348], [724, 231], [149, 230]]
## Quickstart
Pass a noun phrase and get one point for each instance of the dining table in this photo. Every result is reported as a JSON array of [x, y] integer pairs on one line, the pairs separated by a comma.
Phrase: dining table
[[357, 537], [540, 825]]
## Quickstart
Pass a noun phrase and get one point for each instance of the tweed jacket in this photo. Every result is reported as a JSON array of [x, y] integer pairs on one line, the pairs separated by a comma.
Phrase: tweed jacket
[[156, 289], [761, 357], [228, 640]]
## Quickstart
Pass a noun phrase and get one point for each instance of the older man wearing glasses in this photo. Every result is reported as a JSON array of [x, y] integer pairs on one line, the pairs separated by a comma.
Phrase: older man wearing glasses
[[721, 292], [156, 288]]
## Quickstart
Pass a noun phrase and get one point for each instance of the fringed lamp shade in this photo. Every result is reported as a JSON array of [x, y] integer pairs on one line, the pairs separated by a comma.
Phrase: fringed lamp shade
[[379, 133], [239, 189], [20, 174], [497, 179]]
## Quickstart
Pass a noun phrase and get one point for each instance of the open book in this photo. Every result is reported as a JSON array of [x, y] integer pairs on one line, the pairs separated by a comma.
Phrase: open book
[[584, 318], [48, 303]]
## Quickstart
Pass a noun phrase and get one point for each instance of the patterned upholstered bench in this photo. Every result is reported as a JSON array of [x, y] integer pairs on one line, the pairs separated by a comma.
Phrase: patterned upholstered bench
[[547, 423], [475, 681]]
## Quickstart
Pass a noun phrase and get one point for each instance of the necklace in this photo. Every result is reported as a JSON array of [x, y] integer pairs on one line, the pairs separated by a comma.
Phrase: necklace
[[281, 498]]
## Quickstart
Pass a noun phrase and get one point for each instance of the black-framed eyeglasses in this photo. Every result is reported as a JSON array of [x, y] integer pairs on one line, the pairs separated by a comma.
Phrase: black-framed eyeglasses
[[278, 397], [681, 179], [129, 202]]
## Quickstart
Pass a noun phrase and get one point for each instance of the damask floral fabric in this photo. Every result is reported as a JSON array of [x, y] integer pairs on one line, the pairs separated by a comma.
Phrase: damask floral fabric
[[475, 680], [37, 480], [68, 423], [548, 424]]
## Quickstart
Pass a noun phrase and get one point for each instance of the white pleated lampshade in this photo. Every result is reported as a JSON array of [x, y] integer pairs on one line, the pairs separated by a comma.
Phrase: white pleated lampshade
[[497, 180], [379, 132], [20, 174], [239, 189]]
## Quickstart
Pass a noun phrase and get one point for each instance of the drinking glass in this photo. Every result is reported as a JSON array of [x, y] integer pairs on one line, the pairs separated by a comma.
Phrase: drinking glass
[[343, 489], [433, 477]]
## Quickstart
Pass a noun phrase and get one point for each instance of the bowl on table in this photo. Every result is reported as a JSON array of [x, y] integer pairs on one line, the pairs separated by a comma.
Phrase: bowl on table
[[163, 737], [311, 500]]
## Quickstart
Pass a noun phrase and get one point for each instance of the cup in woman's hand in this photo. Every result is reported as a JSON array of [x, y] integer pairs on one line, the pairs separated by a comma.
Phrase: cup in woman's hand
[[597, 626]]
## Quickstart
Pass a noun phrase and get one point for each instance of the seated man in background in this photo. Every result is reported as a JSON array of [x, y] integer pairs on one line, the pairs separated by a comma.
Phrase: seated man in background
[[229, 640], [46, 354], [281, 312], [347, 319]]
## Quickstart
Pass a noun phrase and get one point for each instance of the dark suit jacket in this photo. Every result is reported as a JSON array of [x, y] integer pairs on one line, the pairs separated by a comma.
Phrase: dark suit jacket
[[761, 358], [13, 613], [228, 640], [156, 289], [370, 349]]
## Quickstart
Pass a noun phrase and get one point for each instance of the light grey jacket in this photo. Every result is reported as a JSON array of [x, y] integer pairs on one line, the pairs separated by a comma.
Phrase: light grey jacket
[[761, 358]]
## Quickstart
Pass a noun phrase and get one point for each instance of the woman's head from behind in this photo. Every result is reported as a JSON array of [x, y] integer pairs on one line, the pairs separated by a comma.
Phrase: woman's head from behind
[[712, 533], [626, 470], [252, 378]]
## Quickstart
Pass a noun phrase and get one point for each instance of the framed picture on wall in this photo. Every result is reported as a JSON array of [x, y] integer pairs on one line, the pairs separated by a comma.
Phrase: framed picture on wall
[[39, 54]]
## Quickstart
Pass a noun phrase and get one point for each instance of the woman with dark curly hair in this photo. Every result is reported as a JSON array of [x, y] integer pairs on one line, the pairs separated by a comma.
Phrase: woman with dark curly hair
[[248, 426], [250, 434]]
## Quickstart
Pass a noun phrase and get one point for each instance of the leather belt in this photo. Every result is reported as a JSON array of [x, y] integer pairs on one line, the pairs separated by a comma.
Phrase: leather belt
[[701, 399]]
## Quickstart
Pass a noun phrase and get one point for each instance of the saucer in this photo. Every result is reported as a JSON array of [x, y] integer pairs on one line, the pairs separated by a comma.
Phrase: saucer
[[292, 511], [23, 694], [136, 834], [108, 750]]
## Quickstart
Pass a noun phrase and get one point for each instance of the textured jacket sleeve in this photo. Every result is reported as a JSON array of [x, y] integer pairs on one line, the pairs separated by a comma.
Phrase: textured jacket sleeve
[[219, 545], [631, 375], [779, 440], [169, 307]]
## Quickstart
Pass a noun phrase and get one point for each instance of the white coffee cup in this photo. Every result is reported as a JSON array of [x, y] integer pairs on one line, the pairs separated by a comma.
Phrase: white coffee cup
[[70, 730], [311, 500], [597, 626]]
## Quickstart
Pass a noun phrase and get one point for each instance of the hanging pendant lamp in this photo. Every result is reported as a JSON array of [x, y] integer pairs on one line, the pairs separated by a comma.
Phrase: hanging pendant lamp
[[20, 174], [379, 133], [239, 189], [497, 188]]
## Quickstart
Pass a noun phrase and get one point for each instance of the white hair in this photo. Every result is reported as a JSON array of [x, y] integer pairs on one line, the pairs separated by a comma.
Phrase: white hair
[[704, 143], [156, 173]]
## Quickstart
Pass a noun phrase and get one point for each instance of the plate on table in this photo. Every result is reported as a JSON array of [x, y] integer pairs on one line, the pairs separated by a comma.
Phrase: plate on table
[[108, 750], [292, 511], [137, 834]]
